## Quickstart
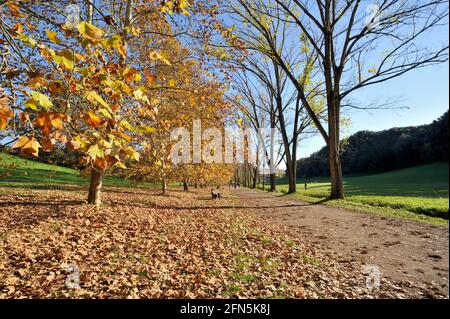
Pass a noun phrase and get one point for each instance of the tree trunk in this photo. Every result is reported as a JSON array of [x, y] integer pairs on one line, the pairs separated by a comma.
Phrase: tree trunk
[[334, 156], [337, 184], [272, 183], [95, 187], [164, 186], [255, 177], [292, 179]]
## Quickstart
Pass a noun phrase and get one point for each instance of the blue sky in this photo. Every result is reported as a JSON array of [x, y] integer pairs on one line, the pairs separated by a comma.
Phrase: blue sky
[[424, 91]]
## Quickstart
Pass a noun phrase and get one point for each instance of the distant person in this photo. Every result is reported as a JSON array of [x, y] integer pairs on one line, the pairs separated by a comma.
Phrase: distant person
[[306, 186], [215, 195]]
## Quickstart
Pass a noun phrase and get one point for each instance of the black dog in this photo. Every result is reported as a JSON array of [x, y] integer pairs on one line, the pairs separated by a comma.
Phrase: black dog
[[215, 195]]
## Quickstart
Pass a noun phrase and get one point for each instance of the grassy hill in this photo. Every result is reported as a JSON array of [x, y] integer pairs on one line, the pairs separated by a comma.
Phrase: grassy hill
[[20, 172], [418, 192]]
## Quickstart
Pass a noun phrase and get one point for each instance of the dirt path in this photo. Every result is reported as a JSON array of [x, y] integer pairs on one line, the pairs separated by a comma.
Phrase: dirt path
[[406, 252]]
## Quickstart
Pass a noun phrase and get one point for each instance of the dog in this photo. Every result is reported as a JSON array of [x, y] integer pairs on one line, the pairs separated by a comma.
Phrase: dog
[[215, 195]]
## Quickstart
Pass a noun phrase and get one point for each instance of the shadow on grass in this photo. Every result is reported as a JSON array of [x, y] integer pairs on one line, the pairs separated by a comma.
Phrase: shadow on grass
[[44, 186], [41, 203]]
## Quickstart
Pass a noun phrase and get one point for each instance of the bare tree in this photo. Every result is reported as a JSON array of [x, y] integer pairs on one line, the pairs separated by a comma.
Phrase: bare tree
[[263, 35], [356, 44]]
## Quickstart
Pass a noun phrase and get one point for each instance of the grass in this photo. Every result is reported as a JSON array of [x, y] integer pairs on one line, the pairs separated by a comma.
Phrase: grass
[[419, 193], [20, 172]]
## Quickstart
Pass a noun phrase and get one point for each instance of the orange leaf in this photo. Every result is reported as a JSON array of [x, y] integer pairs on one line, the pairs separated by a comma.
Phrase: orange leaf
[[151, 78], [73, 145], [129, 73], [122, 135], [24, 117], [48, 143], [28, 145], [5, 111], [93, 119], [100, 163], [48, 120]]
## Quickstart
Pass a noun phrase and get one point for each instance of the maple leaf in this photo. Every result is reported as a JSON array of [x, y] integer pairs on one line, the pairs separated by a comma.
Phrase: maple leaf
[[94, 96], [156, 56], [47, 144], [53, 36], [122, 135], [27, 145], [151, 78], [46, 121], [27, 40], [95, 151], [73, 145], [116, 42], [129, 74], [65, 59], [5, 112], [24, 117], [89, 31], [100, 163], [37, 99], [93, 119], [132, 154]]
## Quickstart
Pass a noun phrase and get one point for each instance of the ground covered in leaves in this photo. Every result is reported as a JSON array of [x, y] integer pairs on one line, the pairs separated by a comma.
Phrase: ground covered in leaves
[[141, 244]]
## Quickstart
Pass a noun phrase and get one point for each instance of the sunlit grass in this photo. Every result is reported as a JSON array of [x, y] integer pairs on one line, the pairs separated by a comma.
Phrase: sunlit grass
[[26, 173], [419, 193]]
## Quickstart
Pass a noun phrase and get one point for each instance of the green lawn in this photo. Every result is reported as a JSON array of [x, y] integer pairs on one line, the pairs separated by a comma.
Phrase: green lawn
[[419, 193], [20, 172]]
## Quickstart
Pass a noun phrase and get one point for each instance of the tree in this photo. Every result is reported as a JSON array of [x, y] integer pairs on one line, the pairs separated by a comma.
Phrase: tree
[[80, 92], [346, 41], [262, 35]]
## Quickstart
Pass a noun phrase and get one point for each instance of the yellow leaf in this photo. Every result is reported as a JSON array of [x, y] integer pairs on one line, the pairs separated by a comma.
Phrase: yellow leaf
[[89, 31], [53, 36], [105, 113], [38, 98], [94, 151], [116, 42], [140, 95], [65, 60], [132, 154], [27, 40], [28, 145], [93, 96], [21, 142], [120, 164], [156, 56], [125, 124]]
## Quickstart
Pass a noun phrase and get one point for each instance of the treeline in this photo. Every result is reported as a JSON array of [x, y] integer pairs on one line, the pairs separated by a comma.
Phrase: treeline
[[374, 152]]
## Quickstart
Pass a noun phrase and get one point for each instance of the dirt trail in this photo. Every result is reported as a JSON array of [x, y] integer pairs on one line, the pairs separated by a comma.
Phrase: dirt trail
[[405, 251]]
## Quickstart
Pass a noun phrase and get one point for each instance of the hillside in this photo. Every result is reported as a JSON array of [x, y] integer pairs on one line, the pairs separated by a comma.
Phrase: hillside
[[375, 152], [21, 172], [416, 192]]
